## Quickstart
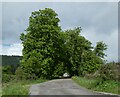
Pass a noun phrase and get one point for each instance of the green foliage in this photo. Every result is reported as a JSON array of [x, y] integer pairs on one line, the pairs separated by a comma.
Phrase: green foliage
[[108, 71], [88, 83], [90, 63], [8, 73], [109, 86], [20, 75], [50, 52], [7, 77], [59, 70], [8, 69], [19, 87], [41, 43], [75, 45], [100, 47], [15, 89]]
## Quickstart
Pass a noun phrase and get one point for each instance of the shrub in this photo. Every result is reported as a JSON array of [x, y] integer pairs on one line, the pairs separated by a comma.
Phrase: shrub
[[8, 69], [21, 75], [108, 72], [8, 77]]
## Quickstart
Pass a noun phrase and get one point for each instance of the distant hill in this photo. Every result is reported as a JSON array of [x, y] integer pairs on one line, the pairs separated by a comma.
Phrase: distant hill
[[10, 60]]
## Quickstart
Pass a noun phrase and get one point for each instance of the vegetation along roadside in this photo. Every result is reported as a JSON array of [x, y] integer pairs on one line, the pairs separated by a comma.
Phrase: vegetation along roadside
[[105, 79], [49, 52], [19, 87]]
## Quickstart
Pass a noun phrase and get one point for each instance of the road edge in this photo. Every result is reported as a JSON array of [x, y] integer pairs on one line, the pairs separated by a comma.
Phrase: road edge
[[106, 93]]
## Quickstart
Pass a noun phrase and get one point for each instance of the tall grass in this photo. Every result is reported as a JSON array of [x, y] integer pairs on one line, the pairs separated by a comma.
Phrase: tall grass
[[20, 87], [109, 86]]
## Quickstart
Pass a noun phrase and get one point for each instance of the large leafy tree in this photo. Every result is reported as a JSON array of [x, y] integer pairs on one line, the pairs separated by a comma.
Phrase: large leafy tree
[[80, 57], [92, 60], [76, 45], [50, 52], [41, 43]]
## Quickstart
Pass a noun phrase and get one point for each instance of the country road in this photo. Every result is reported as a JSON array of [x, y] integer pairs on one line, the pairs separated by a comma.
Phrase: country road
[[60, 87]]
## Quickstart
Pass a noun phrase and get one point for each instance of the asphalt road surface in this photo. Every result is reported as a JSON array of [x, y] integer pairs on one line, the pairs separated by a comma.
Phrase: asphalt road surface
[[60, 87]]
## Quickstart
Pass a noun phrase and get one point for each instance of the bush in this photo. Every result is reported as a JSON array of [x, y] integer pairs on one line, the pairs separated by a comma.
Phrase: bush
[[8, 69], [89, 75], [108, 72], [8, 77], [21, 75]]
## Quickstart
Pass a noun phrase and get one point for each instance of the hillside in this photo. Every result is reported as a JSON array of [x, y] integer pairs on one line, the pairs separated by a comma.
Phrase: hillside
[[10, 60]]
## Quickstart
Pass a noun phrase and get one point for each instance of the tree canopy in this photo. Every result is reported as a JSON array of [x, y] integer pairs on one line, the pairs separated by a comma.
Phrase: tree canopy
[[49, 51]]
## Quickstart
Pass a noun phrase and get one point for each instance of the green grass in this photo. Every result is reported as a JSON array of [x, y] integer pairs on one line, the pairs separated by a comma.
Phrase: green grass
[[94, 84], [20, 87], [109, 86], [87, 83]]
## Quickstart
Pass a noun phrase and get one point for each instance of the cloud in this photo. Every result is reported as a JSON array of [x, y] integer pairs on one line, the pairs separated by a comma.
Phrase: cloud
[[14, 49], [87, 15], [98, 21], [111, 41]]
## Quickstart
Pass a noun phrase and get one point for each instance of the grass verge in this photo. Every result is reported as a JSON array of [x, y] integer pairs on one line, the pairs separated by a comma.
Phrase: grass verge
[[20, 87], [108, 86]]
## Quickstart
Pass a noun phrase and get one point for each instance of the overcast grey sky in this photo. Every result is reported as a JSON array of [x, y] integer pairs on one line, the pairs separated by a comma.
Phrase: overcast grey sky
[[99, 22]]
